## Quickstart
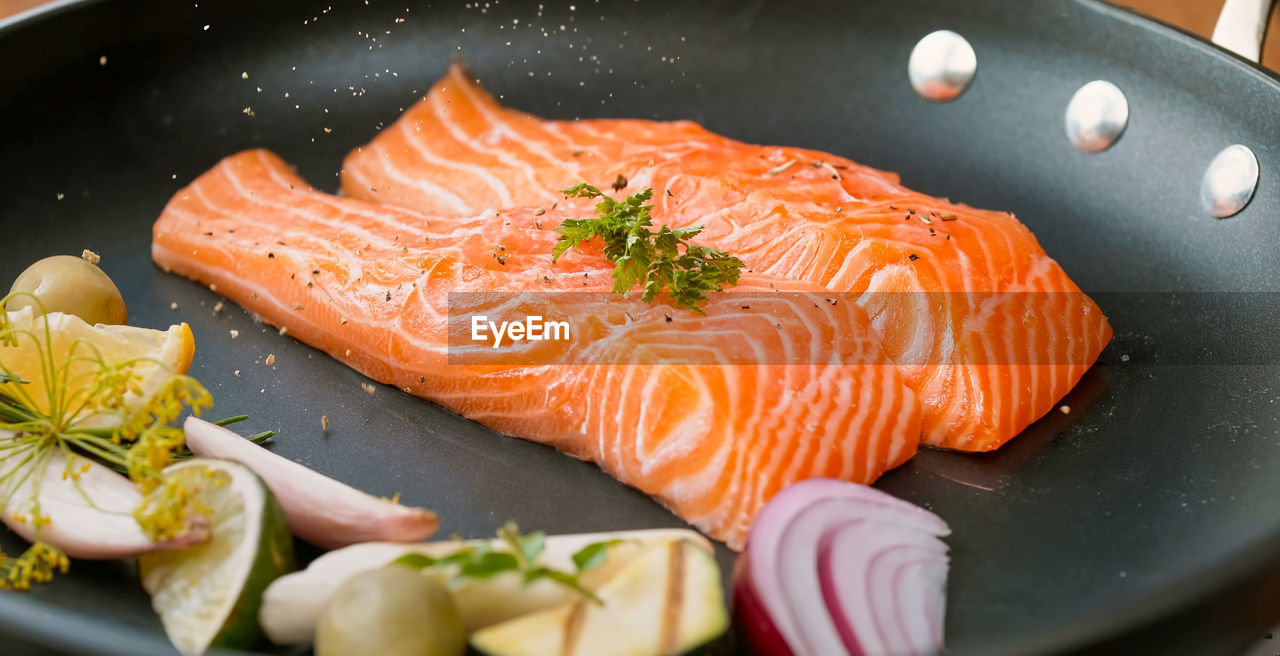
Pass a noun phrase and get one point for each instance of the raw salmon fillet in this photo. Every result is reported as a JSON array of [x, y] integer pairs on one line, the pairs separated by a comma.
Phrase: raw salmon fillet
[[988, 329], [371, 284]]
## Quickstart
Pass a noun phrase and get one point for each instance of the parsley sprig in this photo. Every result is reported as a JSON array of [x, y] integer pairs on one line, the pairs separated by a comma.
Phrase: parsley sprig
[[485, 560], [643, 257]]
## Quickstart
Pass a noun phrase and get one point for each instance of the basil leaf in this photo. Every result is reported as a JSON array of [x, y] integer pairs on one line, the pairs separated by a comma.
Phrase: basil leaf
[[563, 578], [593, 555], [489, 565], [415, 560]]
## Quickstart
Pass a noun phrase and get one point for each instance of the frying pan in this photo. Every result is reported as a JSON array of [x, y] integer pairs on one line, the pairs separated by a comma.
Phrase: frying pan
[[1143, 521]]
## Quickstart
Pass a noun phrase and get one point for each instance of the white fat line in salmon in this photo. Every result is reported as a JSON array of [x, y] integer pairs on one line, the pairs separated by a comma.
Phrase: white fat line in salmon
[[533, 328]]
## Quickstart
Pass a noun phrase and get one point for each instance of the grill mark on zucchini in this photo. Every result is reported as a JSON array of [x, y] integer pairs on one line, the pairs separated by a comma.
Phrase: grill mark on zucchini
[[670, 641], [573, 628]]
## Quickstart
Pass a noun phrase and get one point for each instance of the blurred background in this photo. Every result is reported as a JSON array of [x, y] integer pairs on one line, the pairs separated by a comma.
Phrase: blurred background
[[1195, 16]]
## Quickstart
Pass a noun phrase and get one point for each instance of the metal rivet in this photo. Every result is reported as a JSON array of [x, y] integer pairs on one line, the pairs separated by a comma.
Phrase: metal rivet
[[941, 66], [1096, 116], [1229, 182]]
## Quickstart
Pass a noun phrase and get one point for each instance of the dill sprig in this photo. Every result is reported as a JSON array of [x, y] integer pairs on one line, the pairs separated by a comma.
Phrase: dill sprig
[[87, 406], [643, 257]]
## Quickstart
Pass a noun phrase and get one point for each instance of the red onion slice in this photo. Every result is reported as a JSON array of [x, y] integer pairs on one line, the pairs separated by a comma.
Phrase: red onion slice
[[832, 567]]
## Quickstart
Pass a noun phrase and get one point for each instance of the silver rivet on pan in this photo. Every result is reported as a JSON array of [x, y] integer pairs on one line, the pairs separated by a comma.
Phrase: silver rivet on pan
[[1229, 182], [941, 66], [1096, 116]]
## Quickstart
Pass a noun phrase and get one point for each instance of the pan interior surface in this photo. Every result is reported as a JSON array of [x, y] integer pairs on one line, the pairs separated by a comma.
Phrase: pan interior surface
[[1155, 490]]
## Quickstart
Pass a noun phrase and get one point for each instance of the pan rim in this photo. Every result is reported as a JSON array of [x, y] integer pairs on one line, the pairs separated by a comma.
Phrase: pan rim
[[1133, 17]]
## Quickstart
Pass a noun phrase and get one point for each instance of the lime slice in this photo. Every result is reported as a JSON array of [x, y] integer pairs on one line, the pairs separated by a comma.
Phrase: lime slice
[[208, 595]]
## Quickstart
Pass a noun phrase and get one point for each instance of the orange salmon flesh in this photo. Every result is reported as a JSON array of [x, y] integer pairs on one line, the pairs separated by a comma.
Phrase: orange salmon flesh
[[460, 196]]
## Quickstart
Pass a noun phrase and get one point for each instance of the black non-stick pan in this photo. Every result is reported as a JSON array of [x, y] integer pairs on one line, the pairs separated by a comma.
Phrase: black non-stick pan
[[1147, 520]]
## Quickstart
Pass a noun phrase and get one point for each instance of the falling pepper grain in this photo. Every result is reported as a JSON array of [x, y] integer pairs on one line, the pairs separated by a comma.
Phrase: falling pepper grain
[[913, 257], [620, 182]]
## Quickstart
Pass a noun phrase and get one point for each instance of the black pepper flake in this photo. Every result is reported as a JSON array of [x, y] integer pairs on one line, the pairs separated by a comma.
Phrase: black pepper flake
[[208, 234], [315, 271], [746, 307], [546, 280], [308, 285], [668, 317], [669, 194], [913, 257], [620, 182], [271, 256], [422, 379], [501, 260], [577, 153], [388, 294]]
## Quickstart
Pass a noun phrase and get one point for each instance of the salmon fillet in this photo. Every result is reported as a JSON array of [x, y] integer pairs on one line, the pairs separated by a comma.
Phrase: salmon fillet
[[989, 330], [371, 285]]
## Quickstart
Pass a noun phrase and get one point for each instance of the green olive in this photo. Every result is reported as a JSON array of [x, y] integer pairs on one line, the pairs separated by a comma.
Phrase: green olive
[[70, 285], [390, 611]]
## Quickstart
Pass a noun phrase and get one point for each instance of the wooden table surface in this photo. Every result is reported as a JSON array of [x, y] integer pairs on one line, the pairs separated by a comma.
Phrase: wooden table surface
[[1196, 16]]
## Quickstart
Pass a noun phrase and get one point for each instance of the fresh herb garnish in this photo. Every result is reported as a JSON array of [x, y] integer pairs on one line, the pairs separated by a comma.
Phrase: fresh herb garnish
[[87, 407], [643, 257], [520, 556]]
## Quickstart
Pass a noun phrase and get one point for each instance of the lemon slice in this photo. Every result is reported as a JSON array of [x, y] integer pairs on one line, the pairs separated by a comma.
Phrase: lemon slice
[[163, 353], [209, 595]]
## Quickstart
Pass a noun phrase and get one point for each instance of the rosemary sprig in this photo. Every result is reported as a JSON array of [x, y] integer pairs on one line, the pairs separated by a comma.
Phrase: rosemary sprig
[[643, 257]]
